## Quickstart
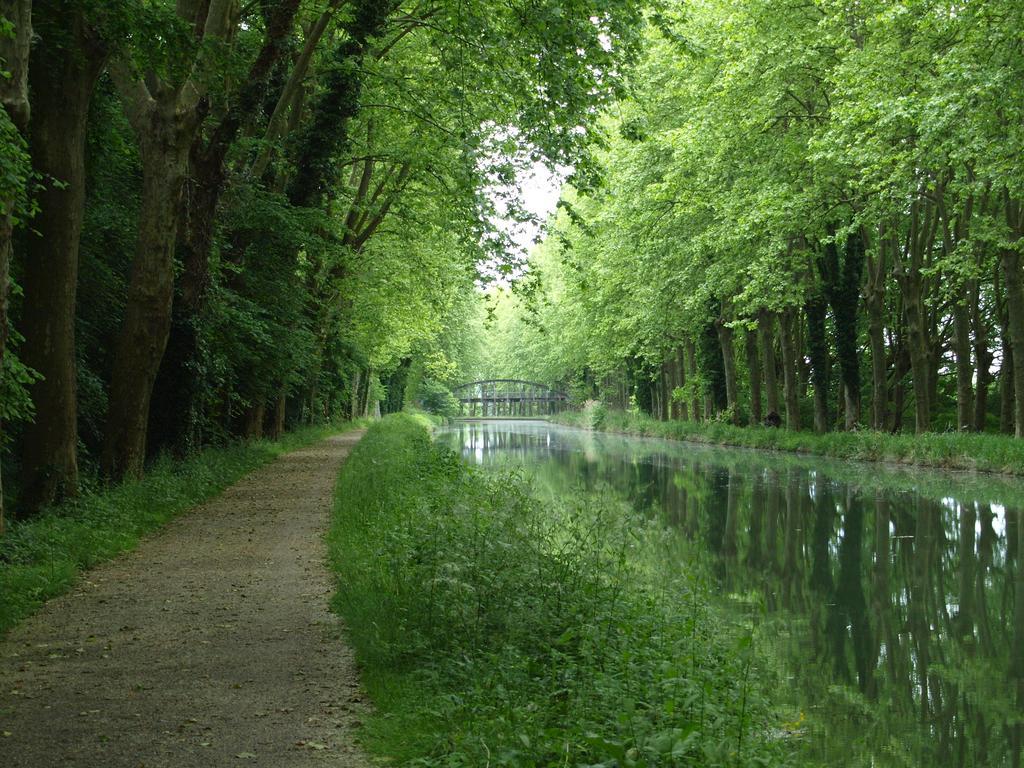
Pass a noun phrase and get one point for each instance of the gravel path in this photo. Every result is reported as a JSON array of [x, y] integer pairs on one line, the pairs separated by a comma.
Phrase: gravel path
[[209, 645]]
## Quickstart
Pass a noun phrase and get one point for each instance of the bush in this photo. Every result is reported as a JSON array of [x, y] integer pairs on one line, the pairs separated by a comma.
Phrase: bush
[[496, 630], [594, 414]]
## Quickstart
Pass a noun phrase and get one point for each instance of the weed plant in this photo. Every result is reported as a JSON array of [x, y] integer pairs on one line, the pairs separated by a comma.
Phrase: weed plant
[[41, 557], [944, 450], [496, 630]]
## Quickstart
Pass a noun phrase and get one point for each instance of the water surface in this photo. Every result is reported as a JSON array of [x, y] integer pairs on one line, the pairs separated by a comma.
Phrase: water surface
[[892, 600]]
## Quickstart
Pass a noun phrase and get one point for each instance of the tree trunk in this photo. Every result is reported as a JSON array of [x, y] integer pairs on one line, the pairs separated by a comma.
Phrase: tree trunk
[[874, 296], [845, 301], [63, 77], [1014, 284], [691, 356], [173, 418], [766, 332], [754, 369], [787, 321], [275, 426], [252, 429], [923, 226], [1006, 393], [920, 357], [876, 342], [147, 319], [982, 359], [725, 335], [681, 381], [817, 351], [964, 369], [165, 119], [14, 53]]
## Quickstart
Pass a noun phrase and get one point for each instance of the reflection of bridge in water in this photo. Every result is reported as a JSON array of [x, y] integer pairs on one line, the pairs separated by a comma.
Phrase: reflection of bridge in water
[[509, 397]]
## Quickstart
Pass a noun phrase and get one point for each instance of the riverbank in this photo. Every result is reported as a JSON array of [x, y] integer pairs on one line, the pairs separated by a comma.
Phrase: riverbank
[[41, 557], [492, 628], [998, 454]]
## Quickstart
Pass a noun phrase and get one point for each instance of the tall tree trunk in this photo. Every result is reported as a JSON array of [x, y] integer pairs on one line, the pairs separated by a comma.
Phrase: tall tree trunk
[[65, 69], [817, 351], [173, 419], [1014, 285], [1006, 393], [712, 364], [691, 356], [165, 119], [964, 369], [920, 357], [924, 221], [874, 299], [845, 301], [147, 319], [982, 359], [14, 55], [787, 323], [327, 135], [681, 381], [754, 369], [725, 340], [766, 333]]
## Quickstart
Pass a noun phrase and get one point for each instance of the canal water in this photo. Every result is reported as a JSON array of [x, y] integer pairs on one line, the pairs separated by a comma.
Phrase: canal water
[[889, 602]]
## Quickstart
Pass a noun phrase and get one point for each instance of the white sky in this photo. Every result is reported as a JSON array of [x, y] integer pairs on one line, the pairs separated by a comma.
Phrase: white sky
[[540, 191]]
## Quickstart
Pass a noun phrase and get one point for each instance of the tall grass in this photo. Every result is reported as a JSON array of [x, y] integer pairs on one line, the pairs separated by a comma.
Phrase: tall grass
[[494, 630], [944, 450], [41, 557]]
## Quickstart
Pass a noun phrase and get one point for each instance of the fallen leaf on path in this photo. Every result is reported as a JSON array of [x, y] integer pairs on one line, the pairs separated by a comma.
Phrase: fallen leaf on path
[[246, 755]]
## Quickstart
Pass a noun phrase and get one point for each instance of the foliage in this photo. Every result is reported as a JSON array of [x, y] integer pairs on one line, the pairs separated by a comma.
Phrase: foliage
[[823, 164], [492, 627]]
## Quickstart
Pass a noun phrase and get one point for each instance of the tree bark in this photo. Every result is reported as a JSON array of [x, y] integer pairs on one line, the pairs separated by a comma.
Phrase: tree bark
[[252, 428], [845, 301], [817, 349], [14, 55], [923, 226], [147, 320], [63, 76], [280, 411], [173, 419], [964, 368], [725, 339], [754, 369], [787, 321], [327, 134], [165, 120], [875, 304], [691, 356], [766, 333], [1010, 261], [982, 359]]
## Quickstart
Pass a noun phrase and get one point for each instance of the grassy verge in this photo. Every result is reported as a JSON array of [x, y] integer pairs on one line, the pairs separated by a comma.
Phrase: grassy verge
[[40, 557], [944, 450], [494, 630]]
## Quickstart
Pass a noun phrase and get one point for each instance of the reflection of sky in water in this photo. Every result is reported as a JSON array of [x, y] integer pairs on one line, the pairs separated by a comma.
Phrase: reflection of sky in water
[[885, 592]]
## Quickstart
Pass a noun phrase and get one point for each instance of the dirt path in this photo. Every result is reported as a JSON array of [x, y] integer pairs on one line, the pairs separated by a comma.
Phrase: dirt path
[[209, 645]]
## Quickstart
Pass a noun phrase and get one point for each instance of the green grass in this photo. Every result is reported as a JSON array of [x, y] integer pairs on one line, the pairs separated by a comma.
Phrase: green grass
[[41, 557], [943, 450], [492, 629]]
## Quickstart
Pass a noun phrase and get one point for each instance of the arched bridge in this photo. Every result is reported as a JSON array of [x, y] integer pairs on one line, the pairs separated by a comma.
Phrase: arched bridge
[[495, 398]]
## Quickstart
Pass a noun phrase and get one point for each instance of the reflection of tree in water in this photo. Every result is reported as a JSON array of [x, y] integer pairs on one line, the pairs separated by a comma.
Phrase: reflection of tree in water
[[898, 615]]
